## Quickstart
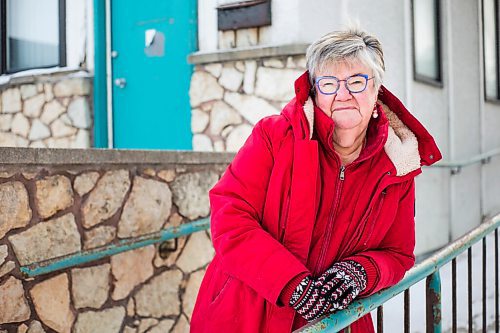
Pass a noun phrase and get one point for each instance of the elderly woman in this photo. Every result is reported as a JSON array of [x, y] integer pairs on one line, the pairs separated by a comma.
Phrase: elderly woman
[[317, 208]]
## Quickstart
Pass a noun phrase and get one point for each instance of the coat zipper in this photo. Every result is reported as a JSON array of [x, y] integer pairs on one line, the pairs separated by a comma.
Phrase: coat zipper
[[333, 212]]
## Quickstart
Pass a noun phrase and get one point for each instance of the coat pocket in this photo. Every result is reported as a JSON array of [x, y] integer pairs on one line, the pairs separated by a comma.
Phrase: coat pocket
[[372, 219], [220, 283]]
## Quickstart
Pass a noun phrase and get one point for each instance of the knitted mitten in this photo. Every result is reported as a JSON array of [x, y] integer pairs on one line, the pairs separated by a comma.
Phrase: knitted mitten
[[342, 282], [308, 301]]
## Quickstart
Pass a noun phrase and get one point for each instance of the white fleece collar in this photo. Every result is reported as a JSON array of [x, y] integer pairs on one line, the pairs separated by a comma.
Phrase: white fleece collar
[[401, 145]]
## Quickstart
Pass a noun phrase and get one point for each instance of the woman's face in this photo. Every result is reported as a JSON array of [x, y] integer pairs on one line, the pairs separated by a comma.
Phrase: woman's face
[[350, 112]]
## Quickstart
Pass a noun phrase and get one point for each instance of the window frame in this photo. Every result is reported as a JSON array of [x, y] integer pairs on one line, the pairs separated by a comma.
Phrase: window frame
[[434, 81], [487, 98], [3, 38]]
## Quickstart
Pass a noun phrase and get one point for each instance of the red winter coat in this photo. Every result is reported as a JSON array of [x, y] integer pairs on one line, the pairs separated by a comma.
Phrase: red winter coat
[[284, 208]]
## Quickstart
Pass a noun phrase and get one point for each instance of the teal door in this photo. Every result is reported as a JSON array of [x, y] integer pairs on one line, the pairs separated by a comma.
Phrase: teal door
[[150, 42]]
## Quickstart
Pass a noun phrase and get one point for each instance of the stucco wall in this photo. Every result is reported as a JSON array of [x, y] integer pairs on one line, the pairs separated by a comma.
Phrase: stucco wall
[[54, 203]]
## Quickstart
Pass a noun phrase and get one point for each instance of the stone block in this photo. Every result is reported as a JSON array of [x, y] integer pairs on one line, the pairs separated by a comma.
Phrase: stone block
[[81, 140], [106, 198], [109, 321], [74, 86], [130, 269], [131, 307], [204, 88], [202, 142], [215, 69], [35, 327], [237, 137], [221, 116], [4, 251], [58, 142], [28, 90], [46, 240], [182, 325], [249, 77], [227, 39], [273, 62], [52, 303], [79, 112], [240, 65], [85, 182], [167, 175], [11, 100], [37, 144], [146, 209], [33, 106], [60, 129], [99, 236], [53, 193], [230, 78], [190, 193], [12, 140], [15, 211], [49, 93], [163, 326], [20, 125], [192, 288], [90, 286], [5, 122], [14, 305], [276, 84], [219, 146], [247, 37], [7, 268], [250, 107], [197, 253], [160, 296], [199, 120], [38, 131], [51, 111]]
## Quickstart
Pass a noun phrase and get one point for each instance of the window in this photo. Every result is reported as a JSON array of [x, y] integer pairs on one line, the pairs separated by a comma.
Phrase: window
[[426, 41], [490, 45], [32, 34]]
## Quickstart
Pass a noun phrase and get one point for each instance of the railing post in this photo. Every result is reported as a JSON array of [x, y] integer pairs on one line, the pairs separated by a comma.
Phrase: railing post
[[433, 303]]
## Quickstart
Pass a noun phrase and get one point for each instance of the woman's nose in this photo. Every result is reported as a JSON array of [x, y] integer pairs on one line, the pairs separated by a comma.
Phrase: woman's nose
[[343, 94]]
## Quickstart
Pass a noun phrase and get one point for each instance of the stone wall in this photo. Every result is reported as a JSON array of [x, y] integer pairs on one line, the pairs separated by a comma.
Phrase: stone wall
[[54, 203], [46, 110], [229, 97]]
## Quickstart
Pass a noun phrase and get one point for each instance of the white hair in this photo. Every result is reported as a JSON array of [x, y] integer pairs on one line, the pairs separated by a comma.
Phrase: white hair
[[351, 45]]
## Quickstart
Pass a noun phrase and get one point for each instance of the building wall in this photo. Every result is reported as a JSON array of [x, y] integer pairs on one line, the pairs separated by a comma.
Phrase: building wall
[[42, 111], [57, 203]]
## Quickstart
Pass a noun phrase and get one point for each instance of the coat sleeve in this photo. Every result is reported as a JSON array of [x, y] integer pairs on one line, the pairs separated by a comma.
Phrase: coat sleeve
[[387, 265], [247, 251]]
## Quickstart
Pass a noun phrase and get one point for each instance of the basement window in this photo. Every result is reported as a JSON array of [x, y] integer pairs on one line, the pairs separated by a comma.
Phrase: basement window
[[244, 14]]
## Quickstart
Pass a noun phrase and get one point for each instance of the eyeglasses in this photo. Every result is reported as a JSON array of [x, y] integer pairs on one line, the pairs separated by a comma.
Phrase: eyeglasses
[[329, 85]]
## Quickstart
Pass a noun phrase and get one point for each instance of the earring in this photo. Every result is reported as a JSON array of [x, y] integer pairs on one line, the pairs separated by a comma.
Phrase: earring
[[375, 112]]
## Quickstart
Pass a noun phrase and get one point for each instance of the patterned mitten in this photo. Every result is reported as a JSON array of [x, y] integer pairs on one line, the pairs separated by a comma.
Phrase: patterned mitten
[[341, 283], [308, 301]]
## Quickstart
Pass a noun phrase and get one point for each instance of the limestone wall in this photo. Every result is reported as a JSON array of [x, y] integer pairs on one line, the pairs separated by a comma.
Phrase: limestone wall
[[46, 110], [59, 202], [229, 97]]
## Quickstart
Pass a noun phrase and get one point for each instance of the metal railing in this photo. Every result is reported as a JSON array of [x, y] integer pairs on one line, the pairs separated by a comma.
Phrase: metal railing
[[428, 269], [84, 257], [456, 166]]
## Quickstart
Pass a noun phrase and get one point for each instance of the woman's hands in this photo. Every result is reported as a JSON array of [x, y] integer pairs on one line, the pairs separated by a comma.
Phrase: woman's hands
[[333, 290]]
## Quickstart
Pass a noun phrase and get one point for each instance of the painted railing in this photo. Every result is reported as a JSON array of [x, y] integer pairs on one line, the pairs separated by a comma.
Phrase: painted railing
[[84, 257], [428, 269]]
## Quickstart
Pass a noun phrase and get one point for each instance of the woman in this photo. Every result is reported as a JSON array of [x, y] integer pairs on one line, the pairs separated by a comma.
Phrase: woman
[[317, 208]]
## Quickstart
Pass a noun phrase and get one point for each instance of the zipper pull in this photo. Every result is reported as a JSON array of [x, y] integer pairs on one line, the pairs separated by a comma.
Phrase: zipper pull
[[342, 170]]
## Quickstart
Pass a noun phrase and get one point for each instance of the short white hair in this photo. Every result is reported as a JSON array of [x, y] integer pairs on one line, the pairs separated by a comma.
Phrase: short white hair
[[350, 46]]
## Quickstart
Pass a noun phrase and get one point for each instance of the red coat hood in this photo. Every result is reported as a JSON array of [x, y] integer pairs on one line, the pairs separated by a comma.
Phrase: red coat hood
[[409, 145]]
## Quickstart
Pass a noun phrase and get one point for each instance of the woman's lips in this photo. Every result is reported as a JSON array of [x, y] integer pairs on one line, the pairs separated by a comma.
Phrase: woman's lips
[[344, 108]]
